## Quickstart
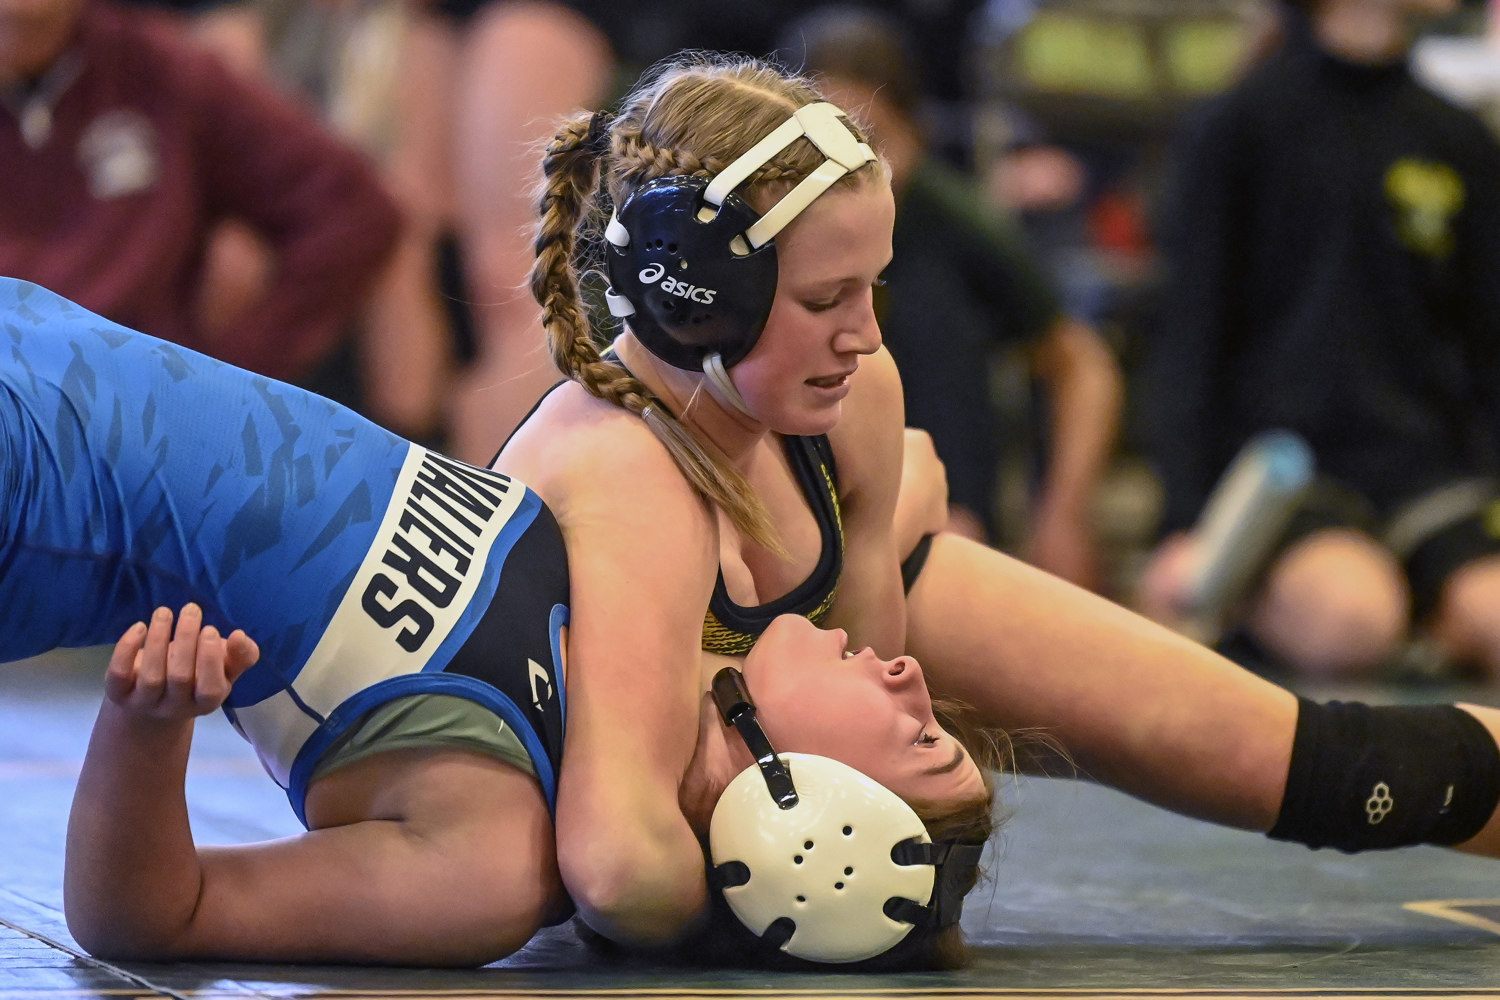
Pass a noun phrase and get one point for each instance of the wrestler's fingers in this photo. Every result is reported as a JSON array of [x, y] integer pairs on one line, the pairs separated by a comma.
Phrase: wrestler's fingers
[[119, 676], [211, 686], [182, 655], [151, 664], [243, 653]]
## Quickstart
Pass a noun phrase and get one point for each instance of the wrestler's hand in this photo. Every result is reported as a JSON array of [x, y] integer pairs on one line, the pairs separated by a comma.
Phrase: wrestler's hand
[[156, 674], [1063, 543], [1161, 592]]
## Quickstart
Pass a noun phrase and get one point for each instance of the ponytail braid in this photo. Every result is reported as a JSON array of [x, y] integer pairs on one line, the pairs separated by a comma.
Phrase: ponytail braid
[[570, 169]]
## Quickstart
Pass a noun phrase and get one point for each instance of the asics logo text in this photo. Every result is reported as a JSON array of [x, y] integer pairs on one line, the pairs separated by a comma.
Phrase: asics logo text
[[673, 286]]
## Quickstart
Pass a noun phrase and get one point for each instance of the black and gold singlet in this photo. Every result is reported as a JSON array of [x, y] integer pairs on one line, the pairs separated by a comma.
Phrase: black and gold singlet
[[730, 628]]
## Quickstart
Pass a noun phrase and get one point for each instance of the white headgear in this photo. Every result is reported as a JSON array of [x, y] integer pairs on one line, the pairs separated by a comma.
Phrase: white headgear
[[820, 858]]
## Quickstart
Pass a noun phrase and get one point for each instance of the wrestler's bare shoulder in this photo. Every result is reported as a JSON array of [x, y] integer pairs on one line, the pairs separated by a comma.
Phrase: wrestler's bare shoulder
[[574, 441]]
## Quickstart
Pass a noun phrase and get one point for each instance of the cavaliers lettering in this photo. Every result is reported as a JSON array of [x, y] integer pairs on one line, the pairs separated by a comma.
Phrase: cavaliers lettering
[[446, 512]]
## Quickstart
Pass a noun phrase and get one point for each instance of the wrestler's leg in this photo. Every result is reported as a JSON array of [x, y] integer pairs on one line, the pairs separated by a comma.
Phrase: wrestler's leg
[[1138, 706], [1467, 619]]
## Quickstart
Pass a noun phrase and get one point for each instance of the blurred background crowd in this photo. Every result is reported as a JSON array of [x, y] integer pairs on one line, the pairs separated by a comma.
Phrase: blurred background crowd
[[1132, 235]]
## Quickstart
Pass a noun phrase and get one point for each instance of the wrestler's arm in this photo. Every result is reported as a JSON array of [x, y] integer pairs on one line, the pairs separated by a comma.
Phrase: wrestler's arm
[[643, 554], [409, 875], [922, 504], [868, 446], [1085, 392]]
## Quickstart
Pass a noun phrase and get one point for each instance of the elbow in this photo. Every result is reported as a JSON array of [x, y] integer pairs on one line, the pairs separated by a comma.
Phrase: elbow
[[115, 939], [123, 928], [633, 899]]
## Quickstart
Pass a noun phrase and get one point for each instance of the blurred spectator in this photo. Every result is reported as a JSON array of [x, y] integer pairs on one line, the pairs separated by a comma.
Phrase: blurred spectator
[[521, 65], [376, 72], [1334, 250], [961, 287], [124, 147]]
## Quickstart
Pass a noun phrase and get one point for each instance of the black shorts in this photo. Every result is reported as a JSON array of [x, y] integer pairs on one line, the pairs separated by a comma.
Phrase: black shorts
[[1432, 535], [911, 566]]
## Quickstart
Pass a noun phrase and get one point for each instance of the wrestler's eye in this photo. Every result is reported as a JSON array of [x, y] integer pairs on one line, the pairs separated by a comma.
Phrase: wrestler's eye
[[926, 739]]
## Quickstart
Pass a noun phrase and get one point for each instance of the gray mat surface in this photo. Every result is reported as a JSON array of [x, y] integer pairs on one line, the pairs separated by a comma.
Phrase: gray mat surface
[[1095, 895]]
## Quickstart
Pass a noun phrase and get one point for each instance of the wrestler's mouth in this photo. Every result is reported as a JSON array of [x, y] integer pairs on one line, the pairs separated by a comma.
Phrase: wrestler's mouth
[[831, 381]]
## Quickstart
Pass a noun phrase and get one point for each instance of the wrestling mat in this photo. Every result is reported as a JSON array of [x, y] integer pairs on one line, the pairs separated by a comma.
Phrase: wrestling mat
[[1094, 895]]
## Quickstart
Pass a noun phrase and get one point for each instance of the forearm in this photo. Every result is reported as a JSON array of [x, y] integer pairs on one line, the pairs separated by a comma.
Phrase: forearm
[[325, 217], [132, 877], [1086, 391]]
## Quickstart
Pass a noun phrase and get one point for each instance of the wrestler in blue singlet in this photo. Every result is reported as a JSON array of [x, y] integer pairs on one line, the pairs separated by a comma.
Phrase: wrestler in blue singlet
[[135, 474]]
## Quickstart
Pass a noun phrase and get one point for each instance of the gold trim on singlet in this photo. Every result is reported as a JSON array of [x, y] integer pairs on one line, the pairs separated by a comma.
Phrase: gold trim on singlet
[[823, 497]]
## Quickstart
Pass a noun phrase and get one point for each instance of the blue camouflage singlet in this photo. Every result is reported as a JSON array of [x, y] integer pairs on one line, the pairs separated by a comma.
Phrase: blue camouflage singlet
[[135, 473]]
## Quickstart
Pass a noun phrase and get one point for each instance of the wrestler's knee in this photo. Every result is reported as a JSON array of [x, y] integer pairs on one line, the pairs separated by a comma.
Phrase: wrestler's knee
[[1335, 603], [1467, 619]]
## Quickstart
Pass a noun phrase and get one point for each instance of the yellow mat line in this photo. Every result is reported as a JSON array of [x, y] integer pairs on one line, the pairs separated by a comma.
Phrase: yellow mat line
[[1453, 909]]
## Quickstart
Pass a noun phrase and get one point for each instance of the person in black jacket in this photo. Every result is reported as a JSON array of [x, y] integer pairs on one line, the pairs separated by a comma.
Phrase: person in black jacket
[[1334, 269]]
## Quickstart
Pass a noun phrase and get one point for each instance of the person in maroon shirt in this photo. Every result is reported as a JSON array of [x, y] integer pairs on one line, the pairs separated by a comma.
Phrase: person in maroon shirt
[[122, 148]]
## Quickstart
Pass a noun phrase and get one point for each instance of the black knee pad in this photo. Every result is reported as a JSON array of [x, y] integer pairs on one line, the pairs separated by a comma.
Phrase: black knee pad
[[1366, 778]]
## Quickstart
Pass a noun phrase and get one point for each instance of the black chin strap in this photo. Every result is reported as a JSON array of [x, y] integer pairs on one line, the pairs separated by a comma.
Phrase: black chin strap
[[738, 710], [952, 859]]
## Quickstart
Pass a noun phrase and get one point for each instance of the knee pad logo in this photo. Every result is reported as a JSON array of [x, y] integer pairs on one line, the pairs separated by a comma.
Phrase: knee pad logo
[[1380, 803]]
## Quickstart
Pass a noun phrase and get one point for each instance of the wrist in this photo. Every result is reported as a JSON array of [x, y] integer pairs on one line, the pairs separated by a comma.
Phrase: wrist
[[117, 722]]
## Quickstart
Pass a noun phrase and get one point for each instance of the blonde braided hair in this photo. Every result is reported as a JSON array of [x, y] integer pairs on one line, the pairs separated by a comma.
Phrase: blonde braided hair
[[692, 116]]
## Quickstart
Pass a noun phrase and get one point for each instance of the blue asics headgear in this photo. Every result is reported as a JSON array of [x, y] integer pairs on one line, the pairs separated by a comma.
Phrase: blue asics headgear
[[693, 266]]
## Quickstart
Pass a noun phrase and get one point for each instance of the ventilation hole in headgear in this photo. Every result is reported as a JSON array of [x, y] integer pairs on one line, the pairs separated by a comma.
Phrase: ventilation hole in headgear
[[780, 932], [672, 248], [849, 870], [801, 899], [838, 885], [797, 860], [848, 830], [657, 244], [807, 845]]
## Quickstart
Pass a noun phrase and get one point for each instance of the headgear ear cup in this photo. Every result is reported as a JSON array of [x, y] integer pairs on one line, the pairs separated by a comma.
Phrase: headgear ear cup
[[825, 864], [693, 264], [690, 293]]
